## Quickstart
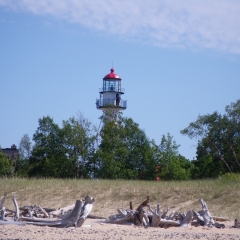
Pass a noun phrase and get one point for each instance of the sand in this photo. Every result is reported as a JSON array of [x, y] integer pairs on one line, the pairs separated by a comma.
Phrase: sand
[[97, 229]]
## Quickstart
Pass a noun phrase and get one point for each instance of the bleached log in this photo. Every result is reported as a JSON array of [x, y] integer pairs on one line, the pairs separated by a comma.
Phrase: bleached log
[[122, 212], [173, 215], [16, 217], [62, 211], [199, 218], [158, 211], [44, 212], [3, 210], [146, 222], [49, 224], [34, 219], [86, 209], [164, 214], [114, 217], [72, 218], [121, 220], [30, 213], [169, 222], [155, 217], [3, 201], [207, 217], [157, 220], [10, 210], [187, 219]]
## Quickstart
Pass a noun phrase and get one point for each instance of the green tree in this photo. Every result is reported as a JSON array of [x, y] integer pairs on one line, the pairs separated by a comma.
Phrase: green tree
[[207, 164], [6, 165], [49, 158], [171, 165], [79, 138], [25, 151], [124, 151], [219, 135]]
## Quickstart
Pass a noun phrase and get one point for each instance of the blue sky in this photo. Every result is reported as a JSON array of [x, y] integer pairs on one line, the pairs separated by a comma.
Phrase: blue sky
[[177, 59]]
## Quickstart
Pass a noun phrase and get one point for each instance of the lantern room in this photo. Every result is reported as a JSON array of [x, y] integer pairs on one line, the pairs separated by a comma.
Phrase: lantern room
[[111, 93]]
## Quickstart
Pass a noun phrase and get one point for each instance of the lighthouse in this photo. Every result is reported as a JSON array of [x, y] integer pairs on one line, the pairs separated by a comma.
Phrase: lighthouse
[[111, 94]]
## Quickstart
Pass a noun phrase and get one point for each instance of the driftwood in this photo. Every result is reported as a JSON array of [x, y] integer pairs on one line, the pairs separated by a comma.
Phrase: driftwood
[[73, 215], [143, 204], [3, 201], [72, 218], [158, 218], [187, 219], [16, 217], [63, 211], [236, 223], [95, 217], [207, 217], [86, 209], [139, 219], [3, 210], [121, 219]]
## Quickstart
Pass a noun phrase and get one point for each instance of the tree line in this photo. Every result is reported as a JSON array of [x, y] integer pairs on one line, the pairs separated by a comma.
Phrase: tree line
[[121, 150]]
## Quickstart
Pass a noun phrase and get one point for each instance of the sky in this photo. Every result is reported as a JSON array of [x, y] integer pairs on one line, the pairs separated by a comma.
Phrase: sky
[[177, 60]]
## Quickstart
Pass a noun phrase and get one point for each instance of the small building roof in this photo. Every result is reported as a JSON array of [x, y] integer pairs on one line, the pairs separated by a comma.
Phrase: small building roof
[[112, 75]]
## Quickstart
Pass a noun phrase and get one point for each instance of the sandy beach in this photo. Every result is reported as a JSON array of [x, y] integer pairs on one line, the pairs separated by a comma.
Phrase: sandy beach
[[98, 229]]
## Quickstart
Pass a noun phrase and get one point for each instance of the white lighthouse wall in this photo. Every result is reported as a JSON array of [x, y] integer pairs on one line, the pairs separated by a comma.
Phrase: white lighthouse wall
[[110, 98]]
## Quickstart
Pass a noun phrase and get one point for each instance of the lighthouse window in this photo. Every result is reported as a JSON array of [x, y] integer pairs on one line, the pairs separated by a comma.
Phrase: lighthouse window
[[111, 86]]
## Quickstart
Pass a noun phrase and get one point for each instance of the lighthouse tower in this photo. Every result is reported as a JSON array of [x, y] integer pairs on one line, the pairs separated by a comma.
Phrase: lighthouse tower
[[111, 94]]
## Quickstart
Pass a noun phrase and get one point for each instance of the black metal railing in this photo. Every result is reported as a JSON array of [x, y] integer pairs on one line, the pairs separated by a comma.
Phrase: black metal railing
[[112, 89], [104, 103]]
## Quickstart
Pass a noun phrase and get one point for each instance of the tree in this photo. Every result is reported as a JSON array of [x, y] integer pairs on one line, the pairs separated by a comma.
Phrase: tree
[[25, 147], [79, 137], [171, 165], [62, 152], [207, 164], [124, 151], [25, 151], [6, 165], [219, 135], [49, 157]]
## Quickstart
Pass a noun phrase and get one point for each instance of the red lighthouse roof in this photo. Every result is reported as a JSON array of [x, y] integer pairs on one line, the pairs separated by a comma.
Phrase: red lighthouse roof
[[112, 75]]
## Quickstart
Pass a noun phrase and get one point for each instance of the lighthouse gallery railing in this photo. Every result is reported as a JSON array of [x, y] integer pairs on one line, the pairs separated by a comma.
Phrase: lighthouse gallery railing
[[101, 103]]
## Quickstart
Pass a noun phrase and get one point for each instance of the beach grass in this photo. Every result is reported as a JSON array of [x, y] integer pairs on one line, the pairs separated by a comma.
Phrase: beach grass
[[221, 195]]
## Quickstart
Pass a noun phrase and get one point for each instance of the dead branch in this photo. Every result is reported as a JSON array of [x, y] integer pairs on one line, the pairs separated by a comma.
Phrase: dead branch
[[44, 212], [3, 201], [16, 217], [143, 204]]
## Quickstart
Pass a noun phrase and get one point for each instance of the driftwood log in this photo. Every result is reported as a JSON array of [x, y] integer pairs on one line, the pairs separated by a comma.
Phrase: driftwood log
[[73, 215], [236, 223], [157, 218]]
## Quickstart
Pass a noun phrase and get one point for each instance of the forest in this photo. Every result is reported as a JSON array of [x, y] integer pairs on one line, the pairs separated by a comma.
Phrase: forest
[[121, 150]]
